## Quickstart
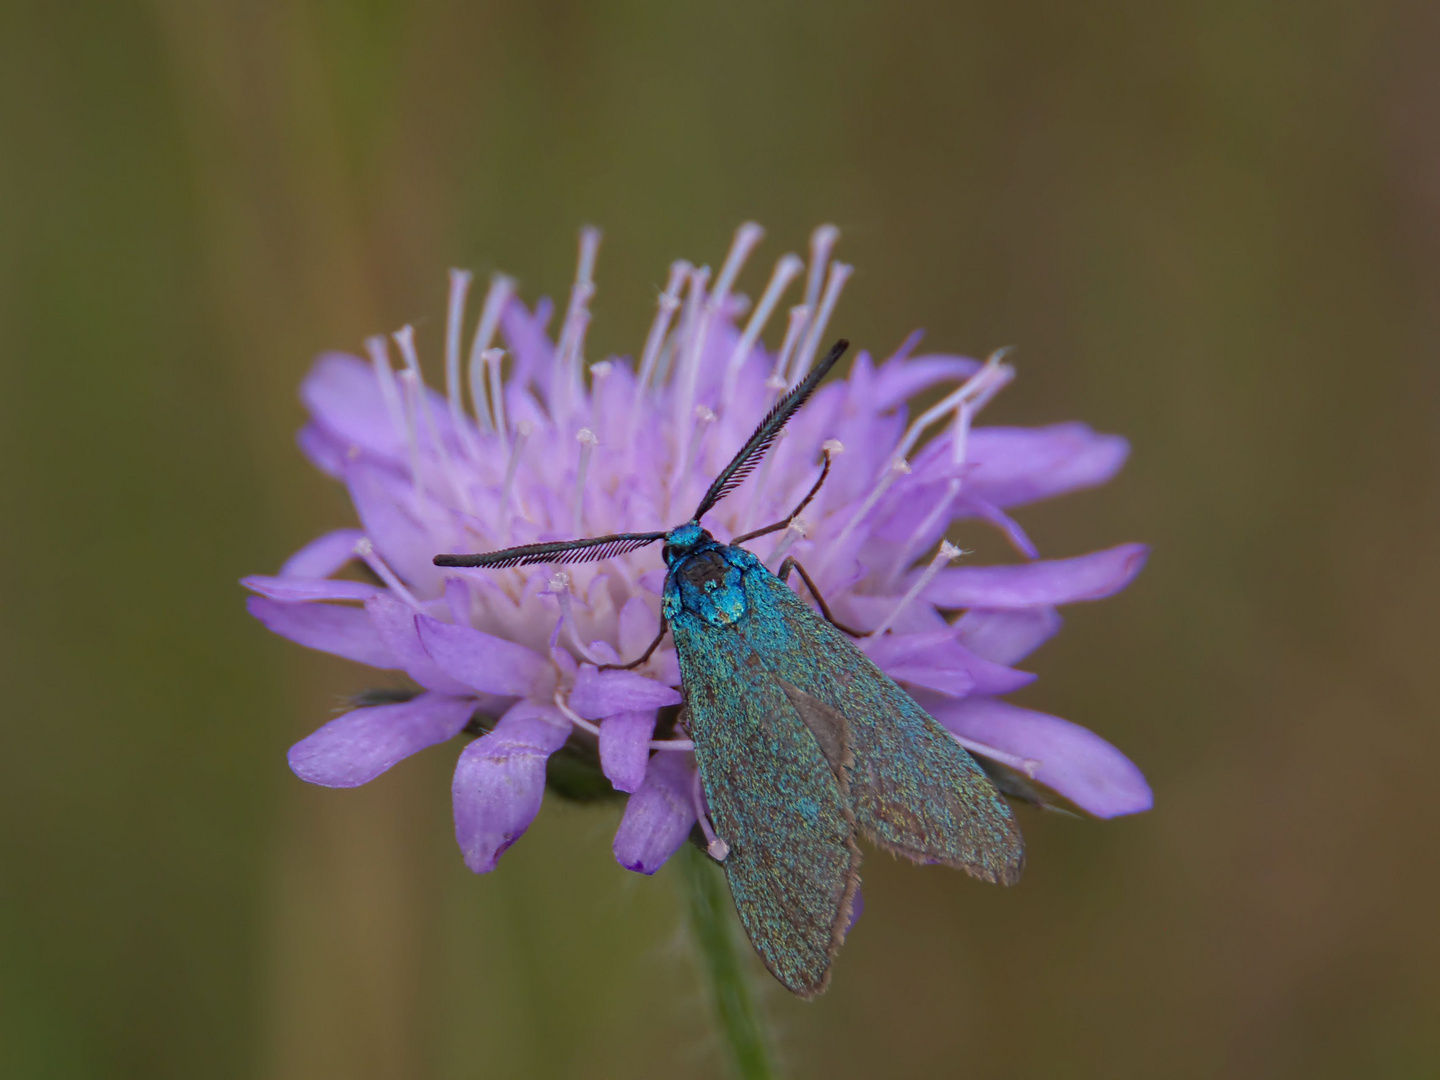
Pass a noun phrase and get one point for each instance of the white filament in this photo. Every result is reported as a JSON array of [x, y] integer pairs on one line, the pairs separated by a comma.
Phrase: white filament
[[746, 237], [454, 323], [946, 554], [785, 272], [594, 729], [716, 848], [793, 330], [405, 338], [1029, 766], [502, 288], [559, 587], [975, 391], [795, 530], [839, 274], [411, 382], [902, 554], [491, 359], [822, 242], [666, 306], [366, 550], [517, 448], [898, 468], [569, 351], [379, 350], [587, 441]]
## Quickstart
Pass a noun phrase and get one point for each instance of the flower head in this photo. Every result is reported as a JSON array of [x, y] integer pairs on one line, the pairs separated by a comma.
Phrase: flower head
[[530, 443]]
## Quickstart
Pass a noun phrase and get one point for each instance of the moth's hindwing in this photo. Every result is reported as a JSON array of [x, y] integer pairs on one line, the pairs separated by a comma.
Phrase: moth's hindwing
[[914, 789], [775, 798]]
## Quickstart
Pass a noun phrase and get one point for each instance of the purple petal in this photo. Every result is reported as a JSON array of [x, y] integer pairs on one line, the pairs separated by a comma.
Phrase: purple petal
[[604, 693], [625, 748], [1019, 539], [1009, 466], [342, 393], [1064, 756], [526, 336], [937, 661], [395, 623], [478, 659], [1048, 582], [1007, 637], [344, 631], [857, 908], [638, 625], [899, 381], [324, 555], [500, 781], [385, 506], [344, 396], [992, 678], [658, 817], [296, 590], [325, 451], [355, 748]]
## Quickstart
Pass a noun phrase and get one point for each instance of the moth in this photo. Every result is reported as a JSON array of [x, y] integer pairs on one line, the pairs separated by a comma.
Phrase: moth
[[802, 743]]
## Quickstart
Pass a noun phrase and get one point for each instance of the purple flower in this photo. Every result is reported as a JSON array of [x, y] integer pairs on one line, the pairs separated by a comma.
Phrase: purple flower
[[531, 443]]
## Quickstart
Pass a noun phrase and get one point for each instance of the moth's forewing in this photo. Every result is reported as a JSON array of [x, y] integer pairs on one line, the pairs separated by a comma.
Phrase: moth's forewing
[[775, 799], [914, 789]]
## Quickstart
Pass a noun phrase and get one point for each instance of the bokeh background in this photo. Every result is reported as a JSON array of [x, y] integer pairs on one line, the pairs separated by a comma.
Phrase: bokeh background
[[1211, 226]]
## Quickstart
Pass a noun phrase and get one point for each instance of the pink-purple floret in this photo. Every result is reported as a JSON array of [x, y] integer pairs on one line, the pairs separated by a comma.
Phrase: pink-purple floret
[[525, 645]]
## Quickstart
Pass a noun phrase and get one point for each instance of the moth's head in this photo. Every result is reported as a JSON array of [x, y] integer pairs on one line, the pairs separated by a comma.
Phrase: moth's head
[[684, 539]]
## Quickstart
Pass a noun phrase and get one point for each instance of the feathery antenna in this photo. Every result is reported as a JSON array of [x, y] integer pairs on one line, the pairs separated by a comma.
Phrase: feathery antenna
[[751, 454], [566, 552]]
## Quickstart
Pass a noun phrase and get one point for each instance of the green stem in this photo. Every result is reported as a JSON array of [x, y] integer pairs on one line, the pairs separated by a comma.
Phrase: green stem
[[723, 965]]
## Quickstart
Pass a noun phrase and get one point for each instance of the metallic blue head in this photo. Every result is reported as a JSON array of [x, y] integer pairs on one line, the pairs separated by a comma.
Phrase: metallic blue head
[[684, 540]]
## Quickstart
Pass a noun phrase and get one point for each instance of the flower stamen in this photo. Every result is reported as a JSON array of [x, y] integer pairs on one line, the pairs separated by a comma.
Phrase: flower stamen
[[822, 242], [502, 288], [507, 489], [379, 350], [902, 554], [665, 309], [366, 550], [405, 338], [785, 272], [574, 717], [898, 467], [839, 274], [796, 530], [716, 848], [947, 553], [1029, 766], [559, 587], [491, 359], [974, 392], [454, 323], [411, 383], [566, 379], [587, 441], [793, 329]]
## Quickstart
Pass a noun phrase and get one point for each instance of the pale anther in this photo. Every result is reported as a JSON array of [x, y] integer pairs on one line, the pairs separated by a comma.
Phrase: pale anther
[[947, 553], [366, 550]]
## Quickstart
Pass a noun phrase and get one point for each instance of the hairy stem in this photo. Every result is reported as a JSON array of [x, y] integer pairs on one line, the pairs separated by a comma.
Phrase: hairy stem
[[723, 963]]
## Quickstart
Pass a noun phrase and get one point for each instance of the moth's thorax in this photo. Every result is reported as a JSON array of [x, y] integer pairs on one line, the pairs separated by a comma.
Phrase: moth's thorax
[[706, 578]]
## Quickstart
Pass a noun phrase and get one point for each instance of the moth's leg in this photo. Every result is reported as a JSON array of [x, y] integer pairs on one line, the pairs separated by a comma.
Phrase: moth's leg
[[645, 655], [824, 472], [790, 564]]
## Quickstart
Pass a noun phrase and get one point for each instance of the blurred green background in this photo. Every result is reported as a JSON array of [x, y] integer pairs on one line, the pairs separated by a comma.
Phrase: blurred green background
[[1213, 227]]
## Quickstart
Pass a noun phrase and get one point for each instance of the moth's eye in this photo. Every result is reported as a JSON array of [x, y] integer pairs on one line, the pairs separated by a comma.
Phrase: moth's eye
[[668, 553]]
